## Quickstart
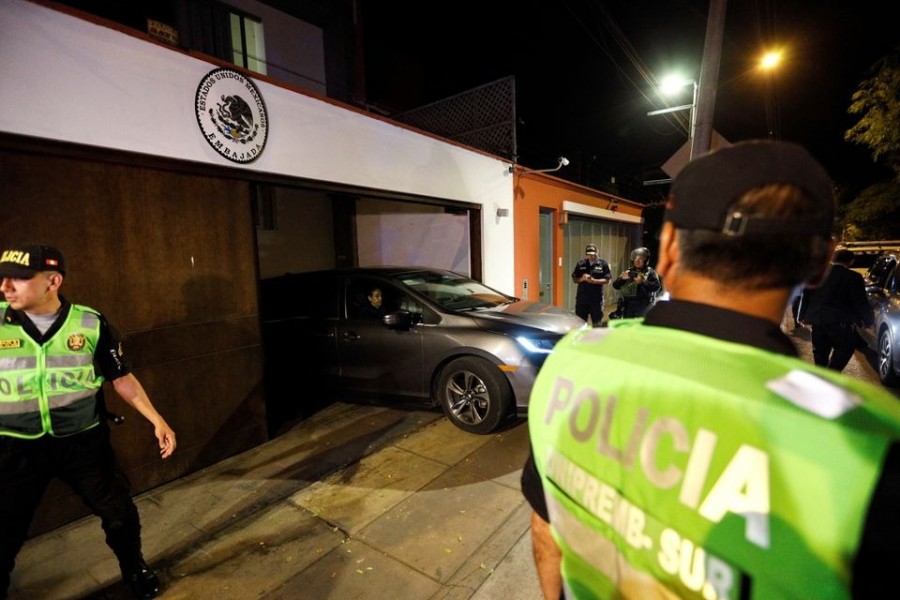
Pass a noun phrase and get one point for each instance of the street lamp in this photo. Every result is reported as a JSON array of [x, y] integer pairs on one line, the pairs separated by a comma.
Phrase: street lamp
[[770, 60], [671, 85], [768, 64]]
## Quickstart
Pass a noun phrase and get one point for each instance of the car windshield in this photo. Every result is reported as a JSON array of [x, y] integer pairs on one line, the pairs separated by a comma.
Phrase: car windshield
[[454, 291]]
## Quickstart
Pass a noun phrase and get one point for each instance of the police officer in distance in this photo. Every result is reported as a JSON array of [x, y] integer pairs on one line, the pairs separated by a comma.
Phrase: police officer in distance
[[694, 454], [590, 274], [637, 285], [54, 358]]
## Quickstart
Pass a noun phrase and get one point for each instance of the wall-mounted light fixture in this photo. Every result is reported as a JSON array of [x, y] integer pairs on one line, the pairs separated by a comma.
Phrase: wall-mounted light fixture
[[502, 212], [563, 161]]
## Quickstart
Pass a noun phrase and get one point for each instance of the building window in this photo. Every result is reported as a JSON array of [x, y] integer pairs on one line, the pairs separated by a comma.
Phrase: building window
[[214, 28], [248, 44]]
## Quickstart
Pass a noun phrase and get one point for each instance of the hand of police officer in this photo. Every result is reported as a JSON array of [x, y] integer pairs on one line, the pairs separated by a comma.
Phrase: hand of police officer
[[166, 438]]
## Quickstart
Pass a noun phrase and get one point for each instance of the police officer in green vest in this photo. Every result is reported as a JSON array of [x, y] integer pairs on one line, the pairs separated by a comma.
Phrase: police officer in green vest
[[692, 453], [54, 358]]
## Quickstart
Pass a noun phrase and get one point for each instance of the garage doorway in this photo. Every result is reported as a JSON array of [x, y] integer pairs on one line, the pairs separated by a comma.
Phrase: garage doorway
[[614, 240]]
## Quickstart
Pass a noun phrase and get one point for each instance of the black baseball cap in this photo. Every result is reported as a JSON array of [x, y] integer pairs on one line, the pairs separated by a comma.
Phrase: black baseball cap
[[704, 191], [27, 260], [590, 249]]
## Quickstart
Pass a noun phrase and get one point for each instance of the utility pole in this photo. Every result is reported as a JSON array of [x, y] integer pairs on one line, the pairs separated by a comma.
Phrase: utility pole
[[705, 104]]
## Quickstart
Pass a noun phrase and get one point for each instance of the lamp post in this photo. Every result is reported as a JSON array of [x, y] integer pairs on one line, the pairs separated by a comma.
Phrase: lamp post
[[767, 64], [670, 86]]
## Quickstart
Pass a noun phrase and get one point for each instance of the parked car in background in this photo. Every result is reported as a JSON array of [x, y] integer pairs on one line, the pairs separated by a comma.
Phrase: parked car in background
[[883, 291], [439, 338]]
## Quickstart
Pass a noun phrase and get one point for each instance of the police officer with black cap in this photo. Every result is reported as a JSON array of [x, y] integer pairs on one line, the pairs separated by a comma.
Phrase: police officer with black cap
[[693, 453], [590, 274], [54, 358]]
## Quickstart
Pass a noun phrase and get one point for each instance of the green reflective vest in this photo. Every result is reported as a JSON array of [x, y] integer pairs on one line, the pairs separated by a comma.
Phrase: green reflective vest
[[680, 466], [49, 388]]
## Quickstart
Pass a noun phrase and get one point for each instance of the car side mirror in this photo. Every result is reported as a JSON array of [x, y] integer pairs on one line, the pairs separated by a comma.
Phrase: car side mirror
[[401, 319]]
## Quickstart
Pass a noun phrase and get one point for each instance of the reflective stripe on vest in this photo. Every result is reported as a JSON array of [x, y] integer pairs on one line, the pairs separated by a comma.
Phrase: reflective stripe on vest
[[49, 389], [680, 466]]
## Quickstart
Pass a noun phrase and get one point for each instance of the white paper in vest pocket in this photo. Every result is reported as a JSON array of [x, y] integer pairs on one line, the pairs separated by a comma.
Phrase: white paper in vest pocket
[[814, 394]]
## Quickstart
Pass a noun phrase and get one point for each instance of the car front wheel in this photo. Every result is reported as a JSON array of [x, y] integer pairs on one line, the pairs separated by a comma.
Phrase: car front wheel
[[886, 360], [474, 395]]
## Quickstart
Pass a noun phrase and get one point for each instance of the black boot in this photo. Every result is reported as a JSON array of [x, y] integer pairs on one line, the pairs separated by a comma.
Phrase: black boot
[[141, 580]]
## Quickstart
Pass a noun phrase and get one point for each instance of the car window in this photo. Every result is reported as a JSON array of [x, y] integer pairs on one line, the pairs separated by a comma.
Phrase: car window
[[880, 270], [367, 298], [410, 304], [893, 283], [319, 302], [454, 291], [393, 298], [299, 295]]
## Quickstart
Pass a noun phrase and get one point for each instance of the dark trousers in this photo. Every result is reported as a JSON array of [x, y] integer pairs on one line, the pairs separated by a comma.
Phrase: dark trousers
[[635, 307], [85, 462], [833, 344], [595, 311]]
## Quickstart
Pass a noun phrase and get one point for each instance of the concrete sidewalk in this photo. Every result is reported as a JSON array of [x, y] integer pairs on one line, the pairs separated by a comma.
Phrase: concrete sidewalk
[[354, 502]]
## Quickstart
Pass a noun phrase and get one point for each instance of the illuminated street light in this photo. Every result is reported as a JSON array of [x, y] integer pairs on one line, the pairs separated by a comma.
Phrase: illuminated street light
[[671, 85], [770, 60], [768, 64]]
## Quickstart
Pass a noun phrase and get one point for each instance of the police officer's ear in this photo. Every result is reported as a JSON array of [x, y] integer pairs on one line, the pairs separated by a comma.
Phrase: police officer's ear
[[669, 251], [54, 280]]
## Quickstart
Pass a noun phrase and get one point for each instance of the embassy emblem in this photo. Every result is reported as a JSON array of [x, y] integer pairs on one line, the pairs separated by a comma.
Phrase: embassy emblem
[[232, 115], [75, 342]]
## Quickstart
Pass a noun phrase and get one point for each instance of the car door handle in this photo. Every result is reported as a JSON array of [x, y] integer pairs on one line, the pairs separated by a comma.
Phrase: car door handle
[[350, 336]]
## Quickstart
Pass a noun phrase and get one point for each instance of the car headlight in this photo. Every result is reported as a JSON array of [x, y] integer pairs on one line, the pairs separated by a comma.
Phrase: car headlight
[[536, 345]]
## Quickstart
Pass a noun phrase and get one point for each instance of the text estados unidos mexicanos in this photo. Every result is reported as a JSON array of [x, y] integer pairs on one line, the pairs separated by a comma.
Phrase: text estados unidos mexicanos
[[206, 86]]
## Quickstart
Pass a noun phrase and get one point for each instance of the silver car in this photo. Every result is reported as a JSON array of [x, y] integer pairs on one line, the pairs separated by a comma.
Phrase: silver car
[[436, 337], [883, 291]]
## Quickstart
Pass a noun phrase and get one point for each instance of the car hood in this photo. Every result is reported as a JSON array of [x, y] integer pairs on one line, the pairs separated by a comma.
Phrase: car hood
[[525, 313]]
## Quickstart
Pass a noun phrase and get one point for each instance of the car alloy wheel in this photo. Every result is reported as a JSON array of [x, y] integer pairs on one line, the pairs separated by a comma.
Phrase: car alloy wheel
[[474, 394]]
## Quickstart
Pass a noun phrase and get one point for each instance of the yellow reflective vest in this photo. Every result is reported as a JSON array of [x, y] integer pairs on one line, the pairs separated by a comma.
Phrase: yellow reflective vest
[[50, 388], [676, 465]]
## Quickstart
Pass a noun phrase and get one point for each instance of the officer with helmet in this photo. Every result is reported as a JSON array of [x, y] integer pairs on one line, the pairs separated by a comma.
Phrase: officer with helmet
[[637, 286]]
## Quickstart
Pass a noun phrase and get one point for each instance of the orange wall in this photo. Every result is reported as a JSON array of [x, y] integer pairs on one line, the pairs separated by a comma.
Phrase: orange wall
[[536, 191]]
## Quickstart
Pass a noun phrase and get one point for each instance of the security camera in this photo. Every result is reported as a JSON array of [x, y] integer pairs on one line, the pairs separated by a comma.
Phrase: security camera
[[563, 161]]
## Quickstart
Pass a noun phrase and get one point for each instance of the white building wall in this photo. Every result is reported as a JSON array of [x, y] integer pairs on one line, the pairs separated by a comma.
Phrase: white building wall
[[65, 79]]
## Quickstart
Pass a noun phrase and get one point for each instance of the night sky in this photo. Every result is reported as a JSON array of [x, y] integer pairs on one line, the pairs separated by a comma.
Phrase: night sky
[[582, 70]]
